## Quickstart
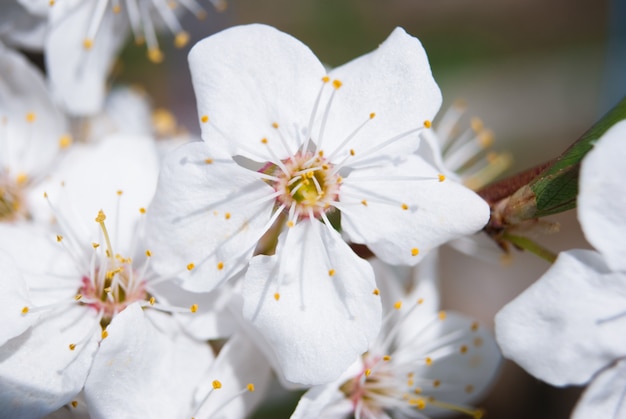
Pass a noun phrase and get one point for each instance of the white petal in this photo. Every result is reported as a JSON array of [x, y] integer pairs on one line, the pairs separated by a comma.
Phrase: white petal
[[89, 180], [39, 373], [437, 211], [465, 360], [321, 322], [602, 197], [77, 75], [13, 298], [140, 371], [573, 315], [27, 147], [605, 396], [238, 364], [20, 28], [274, 77], [206, 214], [325, 401], [212, 320], [394, 82]]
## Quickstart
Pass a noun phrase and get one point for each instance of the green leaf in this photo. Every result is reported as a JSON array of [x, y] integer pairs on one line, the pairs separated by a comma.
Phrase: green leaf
[[557, 187]]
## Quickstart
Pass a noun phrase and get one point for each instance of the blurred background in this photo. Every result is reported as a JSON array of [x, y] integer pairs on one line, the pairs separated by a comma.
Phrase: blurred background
[[538, 73]]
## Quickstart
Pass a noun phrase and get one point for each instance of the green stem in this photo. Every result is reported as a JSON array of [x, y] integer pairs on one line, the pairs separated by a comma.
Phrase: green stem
[[527, 244]]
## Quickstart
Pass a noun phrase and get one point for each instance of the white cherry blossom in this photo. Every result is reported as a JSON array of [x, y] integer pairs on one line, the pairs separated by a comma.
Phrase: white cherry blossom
[[288, 148], [569, 327]]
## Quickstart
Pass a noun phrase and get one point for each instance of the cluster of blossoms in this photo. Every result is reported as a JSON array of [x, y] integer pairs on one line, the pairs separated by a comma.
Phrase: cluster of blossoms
[[144, 277]]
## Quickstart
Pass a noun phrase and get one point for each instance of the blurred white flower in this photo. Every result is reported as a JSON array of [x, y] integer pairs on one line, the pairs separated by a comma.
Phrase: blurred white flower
[[425, 362], [286, 145], [32, 132], [568, 327], [83, 38]]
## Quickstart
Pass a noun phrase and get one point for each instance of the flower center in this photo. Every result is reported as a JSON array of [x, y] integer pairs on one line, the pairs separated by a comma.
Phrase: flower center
[[113, 284], [11, 200], [307, 185]]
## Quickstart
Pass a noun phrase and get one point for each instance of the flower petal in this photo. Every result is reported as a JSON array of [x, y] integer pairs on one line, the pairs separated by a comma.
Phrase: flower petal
[[91, 178], [13, 298], [325, 294], [140, 371], [77, 74], [39, 372], [274, 77], [573, 315], [436, 211], [604, 398], [602, 197], [31, 125], [237, 365], [395, 83], [206, 214]]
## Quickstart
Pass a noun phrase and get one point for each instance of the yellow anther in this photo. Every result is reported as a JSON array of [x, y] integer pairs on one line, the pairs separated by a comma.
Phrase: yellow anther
[[45, 195], [51, 2], [290, 223], [420, 301], [364, 202], [100, 217], [339, 180], [77, 297], [427, 124], [436, 383], [59, 238], [441, 177], [405, 206], [386, 358], [417, 390], [104, 334], [181, 39], [337, 83], [275, 125], [65, 141], [74, 403], [87, 43], [485, 139], [397, 305], [415, 251], [227, 215], [140, 40], [478, 342], [204, 119], [95, 245], [193, 308], [463, 349], [120, 192], [72, 346], [320, 153], [30, 117], [331, 272], [190, 266], [116, 8], [250, 387], [376, 291], [142, 210], [372, 115], [216, 384], [429, 361], [477, 124], [155, 55], [474, 326], [368, 372], [25, 310], [152, 301], [264, 140], [220, 266], [352, 152], [442, 315], [21, 179], [325, 79], [469, 388], [208, 161]]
